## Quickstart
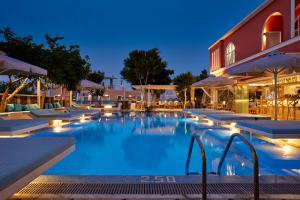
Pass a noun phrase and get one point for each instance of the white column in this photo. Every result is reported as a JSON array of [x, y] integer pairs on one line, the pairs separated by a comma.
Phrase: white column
[[38, 92], [70, 98], [192, 93], [214, 95], [293, 18], [148, 98], [184, 103]]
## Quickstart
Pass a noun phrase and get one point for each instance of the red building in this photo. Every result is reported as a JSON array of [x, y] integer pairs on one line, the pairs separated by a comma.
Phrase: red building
[[275, 25]]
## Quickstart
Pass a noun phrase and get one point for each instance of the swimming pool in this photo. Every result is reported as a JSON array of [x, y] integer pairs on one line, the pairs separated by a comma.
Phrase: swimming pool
[[157, 144]]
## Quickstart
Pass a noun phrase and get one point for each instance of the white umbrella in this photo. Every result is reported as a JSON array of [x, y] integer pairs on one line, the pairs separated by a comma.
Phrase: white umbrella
[[275, 63], [11, 66], [89, 85], [213, 81]]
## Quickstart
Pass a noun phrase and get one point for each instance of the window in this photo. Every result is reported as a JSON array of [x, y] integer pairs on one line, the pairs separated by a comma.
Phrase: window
[[272, 39], [215, 60], [230, 54], [297, 26]]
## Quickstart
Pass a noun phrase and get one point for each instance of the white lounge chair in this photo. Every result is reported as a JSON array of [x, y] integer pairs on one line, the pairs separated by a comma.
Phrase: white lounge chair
[[229, 117], [82, 111], [55, 115], [24, 159], [205, 111], [14, 127]]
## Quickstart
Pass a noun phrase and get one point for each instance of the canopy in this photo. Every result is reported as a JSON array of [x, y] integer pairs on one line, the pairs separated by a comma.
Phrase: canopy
[[168, 95], [11, 66], [275, 63], [213, 81], [89, 84]]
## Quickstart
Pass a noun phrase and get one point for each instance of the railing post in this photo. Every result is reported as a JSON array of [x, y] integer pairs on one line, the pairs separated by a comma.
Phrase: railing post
[[255, 162], [203, 156], [189, 156]]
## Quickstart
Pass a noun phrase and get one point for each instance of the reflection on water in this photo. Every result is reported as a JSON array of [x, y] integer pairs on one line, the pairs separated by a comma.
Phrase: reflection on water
[[157, 144]]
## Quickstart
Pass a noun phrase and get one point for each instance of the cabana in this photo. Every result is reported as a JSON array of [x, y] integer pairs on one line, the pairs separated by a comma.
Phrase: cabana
[[24, 159], [150, 88], [12, 66], [87, 85], [272, 128]]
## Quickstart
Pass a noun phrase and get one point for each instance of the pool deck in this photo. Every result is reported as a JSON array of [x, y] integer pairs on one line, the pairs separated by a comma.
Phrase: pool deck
[[157, 187]]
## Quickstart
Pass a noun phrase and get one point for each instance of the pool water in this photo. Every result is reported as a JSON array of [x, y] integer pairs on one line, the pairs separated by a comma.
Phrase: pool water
[[157, 144]]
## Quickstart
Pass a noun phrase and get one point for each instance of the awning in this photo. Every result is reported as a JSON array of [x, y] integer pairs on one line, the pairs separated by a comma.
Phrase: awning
[[12, 66], [89, 85], [276, 61], [213, 81]]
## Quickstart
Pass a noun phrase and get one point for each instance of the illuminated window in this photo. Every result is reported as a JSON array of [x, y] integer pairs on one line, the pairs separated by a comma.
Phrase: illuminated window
[[297, 26], [215, 60], [272, 31], [230, 54]]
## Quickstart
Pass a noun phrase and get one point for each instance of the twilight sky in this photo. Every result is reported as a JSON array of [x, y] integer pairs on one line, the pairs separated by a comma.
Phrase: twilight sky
[[107, 30]]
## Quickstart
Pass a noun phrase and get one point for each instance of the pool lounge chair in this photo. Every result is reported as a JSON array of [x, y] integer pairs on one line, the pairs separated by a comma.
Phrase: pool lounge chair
[[205, 111], [55, 115], [24, 159], [82, 111], [229, 117], [272, 128], [14, 127]]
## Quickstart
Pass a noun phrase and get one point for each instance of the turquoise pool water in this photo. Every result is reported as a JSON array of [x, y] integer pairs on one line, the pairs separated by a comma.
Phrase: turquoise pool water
[[157, 144]]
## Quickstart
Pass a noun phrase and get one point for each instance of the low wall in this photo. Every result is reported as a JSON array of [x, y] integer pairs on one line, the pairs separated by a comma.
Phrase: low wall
[[27, 99]]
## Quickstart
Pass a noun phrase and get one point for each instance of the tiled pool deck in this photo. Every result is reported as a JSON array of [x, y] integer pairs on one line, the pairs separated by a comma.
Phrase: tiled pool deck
[[157, 187]]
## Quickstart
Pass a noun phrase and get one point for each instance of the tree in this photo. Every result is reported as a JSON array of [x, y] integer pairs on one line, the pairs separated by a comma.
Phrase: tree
[[96, 76], [22, 48], [146, 67], [199, 92], [203, 75], [64, 64], [183, 84]]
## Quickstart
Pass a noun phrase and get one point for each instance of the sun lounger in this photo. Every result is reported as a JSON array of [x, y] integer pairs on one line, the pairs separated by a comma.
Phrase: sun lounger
[[14, 127], [228, 117], [272, 129], [205, 111], [55, 115], [24, 159], [82, 111]]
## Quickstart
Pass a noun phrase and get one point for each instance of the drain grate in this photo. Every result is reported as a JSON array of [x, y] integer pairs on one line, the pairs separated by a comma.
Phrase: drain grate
[[156, 188]]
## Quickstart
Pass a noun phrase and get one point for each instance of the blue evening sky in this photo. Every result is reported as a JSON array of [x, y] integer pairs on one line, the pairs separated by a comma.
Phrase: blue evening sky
[[107, 30]]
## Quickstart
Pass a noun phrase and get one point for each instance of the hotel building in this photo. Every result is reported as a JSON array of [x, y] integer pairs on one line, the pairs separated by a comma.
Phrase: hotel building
[[273, 26]]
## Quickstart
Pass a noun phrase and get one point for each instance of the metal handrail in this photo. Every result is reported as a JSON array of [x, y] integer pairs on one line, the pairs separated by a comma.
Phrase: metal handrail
[[203, 156], [255, 162]]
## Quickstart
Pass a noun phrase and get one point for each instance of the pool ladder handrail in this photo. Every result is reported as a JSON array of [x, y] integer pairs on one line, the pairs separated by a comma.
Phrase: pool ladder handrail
[[255, 161], [203, 156]]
